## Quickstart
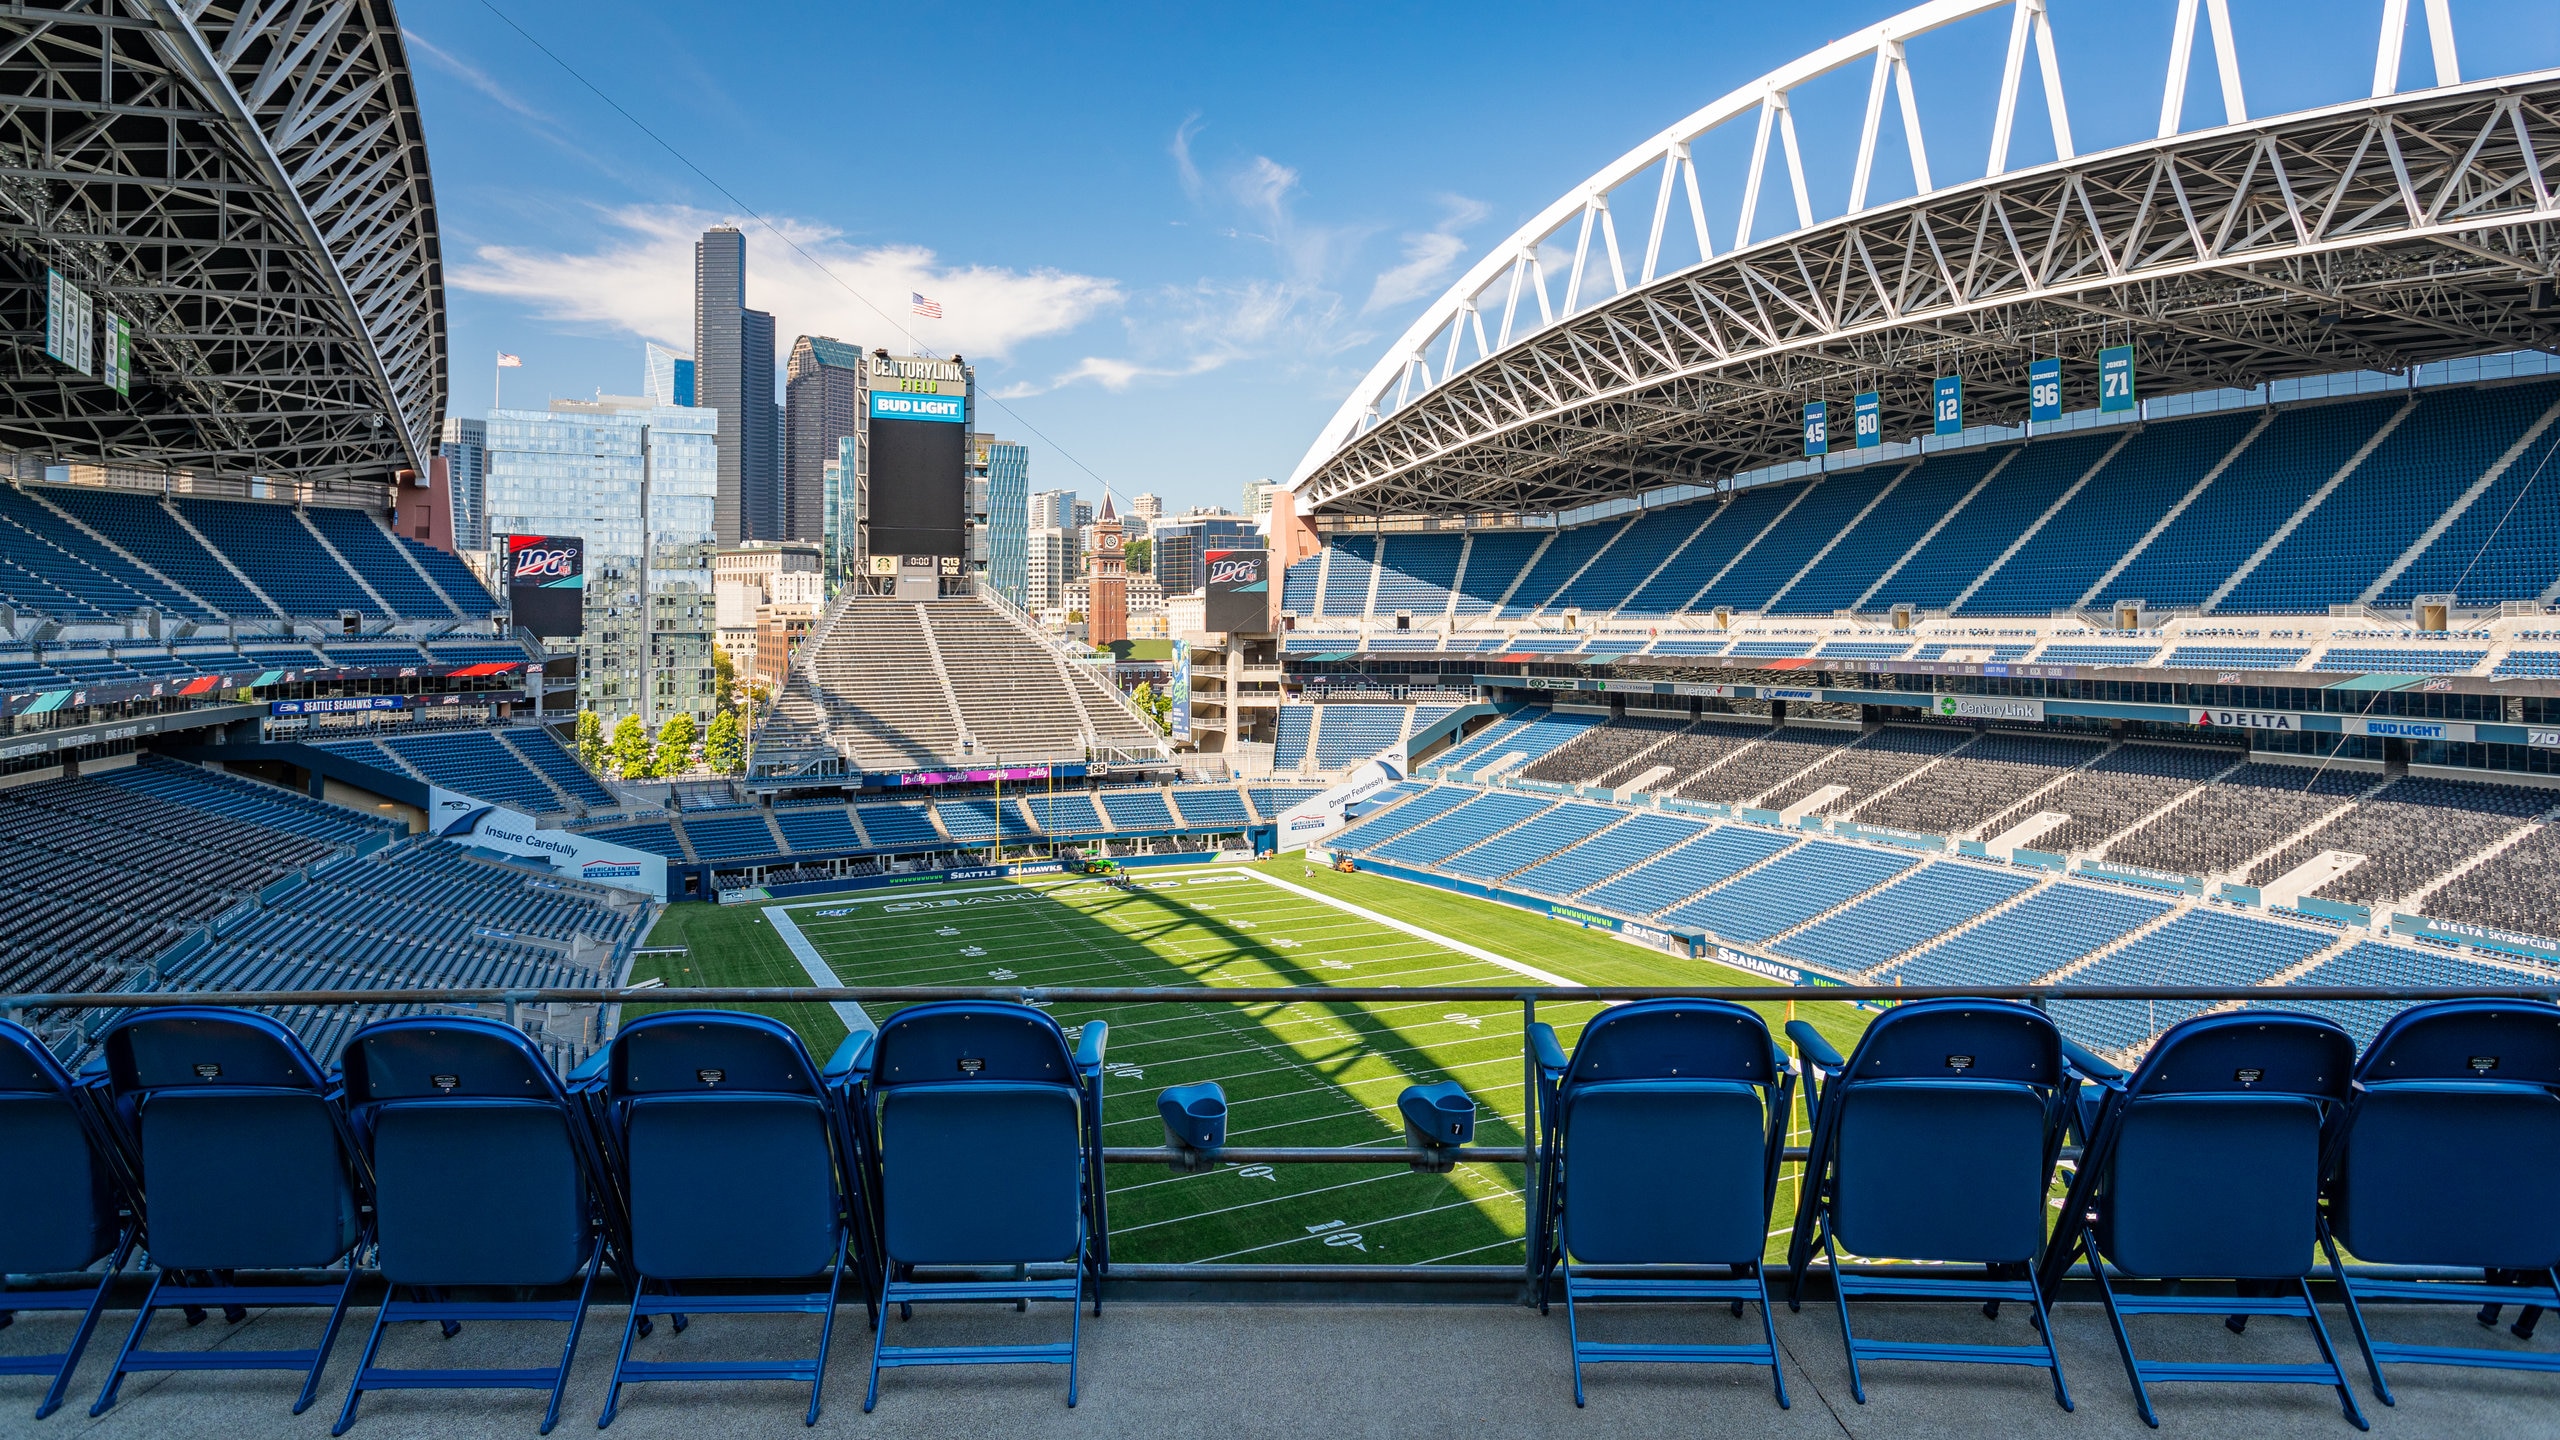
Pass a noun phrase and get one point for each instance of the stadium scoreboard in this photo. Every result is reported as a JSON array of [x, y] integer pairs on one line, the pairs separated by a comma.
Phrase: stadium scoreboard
[[917, 413]]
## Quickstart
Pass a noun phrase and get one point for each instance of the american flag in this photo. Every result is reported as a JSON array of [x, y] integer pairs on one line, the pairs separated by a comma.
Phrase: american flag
[[509, 362], [929, 309]]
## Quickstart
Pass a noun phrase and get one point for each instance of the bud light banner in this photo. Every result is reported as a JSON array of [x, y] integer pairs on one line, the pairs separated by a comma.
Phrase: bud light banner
[[1239, 598], [546, 583]]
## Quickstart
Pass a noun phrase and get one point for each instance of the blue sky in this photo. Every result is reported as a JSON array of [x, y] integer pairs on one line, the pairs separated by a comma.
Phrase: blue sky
[[1173, 240]]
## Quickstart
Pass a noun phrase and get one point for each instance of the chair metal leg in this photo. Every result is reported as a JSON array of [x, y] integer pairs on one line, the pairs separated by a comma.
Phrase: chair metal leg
[[1769, 1329], [826, 1330], [1573, 1334], [2329, 1352], [1848, 1339], [328, 1339], [364, 1362], [133, 1338], [1075, 1332], [88, 1327], [2355, 1318], [2052, 1349], [569, 1350], [2124, 1337], [630, 1325]]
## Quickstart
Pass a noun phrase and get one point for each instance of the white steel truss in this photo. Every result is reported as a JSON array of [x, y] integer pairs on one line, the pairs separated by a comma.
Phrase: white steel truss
[[2380, 233], [246, 181]]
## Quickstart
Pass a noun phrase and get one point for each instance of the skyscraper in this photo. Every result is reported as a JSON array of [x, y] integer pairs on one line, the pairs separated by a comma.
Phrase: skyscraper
[[465, 447], [667, 375], [820, 400], [1052, 510], [1257, 498], [760, 458], [1008, 469], [733, 378]]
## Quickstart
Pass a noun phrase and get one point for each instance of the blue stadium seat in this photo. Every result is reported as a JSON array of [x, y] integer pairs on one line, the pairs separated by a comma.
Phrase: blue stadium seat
[[252, 1168], [1346, 586], [1138, 811], [1297, 723], [904, 825], [1416, 571], [722, 1139], [267, 541], [980, 1132], [2205, 1164], [147, 530], [821, 828], [1935, 1142], [1566, 553], [1351, 734], [483, 1174], [729, 836], [1212, 807], [1792, 889], [1493, 565], [370, 551], [61, 1195], [1604, 855], [1720, 531], [1610, 1192], [1774, 560], [1930, 903], [2444, 1089], [1924, 494]]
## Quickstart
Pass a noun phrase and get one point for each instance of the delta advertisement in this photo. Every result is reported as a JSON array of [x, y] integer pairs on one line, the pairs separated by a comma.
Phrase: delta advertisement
[[1313, 819], [1239, 599], [546, 584], [457, 816]]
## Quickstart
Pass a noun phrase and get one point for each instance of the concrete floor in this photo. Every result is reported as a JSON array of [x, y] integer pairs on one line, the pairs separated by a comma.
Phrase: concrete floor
[[1246, 1371]]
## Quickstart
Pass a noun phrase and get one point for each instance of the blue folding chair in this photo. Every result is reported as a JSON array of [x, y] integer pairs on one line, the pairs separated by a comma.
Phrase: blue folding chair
[[2205, 1164], [723, 1142], [61, 1202], [246, 1164], [2442, 1090], [483, 1176], [1935, 1141], [982, 1137], [1658, 1144]]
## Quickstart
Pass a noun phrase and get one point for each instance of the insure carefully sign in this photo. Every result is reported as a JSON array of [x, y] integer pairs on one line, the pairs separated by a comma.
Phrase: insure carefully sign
[[1946, 405], [2115, 378], [69, 320], [1817, 428], [1870, 420], [2044, 390]]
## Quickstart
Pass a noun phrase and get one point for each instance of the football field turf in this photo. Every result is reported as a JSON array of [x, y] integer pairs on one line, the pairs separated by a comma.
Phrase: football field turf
[[1306, 1073]]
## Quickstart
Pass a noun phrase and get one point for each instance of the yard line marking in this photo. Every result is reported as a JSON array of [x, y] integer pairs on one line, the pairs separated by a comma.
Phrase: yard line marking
[[1372, 916], [1365, 1225], [852, 1014]]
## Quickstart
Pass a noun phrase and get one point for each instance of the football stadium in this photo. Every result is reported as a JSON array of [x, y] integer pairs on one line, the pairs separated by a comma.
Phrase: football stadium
[[1843, 819]]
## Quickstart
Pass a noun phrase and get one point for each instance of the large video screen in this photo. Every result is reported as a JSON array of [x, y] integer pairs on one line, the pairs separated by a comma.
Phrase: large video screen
[[919, 489], [1239, 599], [546, 584]]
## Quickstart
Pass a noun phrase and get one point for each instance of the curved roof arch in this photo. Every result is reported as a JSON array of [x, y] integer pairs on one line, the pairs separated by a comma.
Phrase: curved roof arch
[[2383, 232], [247, 184]]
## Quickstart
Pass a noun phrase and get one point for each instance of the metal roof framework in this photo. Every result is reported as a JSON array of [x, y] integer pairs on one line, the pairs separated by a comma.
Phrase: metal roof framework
[[2374, 235], [246, 181]]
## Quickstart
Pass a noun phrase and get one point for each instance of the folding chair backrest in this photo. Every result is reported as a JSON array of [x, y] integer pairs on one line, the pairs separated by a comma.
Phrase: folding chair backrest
[[480, 1169], [243, 1150], [723, 1135], [1939, 1131], [1665, 1128], [2446, 1094], [57, 1193], [981, 1132], [2212, 1156]]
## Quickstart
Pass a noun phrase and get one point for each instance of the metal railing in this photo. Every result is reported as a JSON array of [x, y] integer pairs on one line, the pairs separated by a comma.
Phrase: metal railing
[[1490, 1279]]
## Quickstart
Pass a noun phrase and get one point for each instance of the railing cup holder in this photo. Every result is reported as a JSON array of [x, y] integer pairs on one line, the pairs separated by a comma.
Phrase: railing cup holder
[[1195, 1125], [1437, 1120]]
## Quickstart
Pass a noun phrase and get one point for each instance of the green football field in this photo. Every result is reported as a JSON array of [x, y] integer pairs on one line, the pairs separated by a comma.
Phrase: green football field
[[1308, 1073]]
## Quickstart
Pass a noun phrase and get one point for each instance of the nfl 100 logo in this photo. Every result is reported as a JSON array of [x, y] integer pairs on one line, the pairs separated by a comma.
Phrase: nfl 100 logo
[[1226, 571]]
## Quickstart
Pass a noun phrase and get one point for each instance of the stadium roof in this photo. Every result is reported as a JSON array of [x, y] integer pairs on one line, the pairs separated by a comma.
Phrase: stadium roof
[[2385, 232], [247, 184]]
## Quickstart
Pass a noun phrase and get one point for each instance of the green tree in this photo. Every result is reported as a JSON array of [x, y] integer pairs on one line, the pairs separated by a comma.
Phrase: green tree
[[723, 748], [675, 746], [724, 680], [1155, 705], [630, 749], [591, 740], [1141, 556]]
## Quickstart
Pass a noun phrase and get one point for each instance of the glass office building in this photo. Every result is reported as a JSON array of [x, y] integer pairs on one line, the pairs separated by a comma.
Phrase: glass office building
[[1007, 467], [575, 469]]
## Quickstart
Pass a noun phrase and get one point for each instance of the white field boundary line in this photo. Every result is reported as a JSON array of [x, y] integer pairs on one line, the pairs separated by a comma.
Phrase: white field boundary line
[[855, 1019], [1185, 874], [1373, 917]]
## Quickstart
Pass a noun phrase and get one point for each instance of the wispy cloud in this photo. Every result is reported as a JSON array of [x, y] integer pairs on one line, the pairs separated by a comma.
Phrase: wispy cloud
[[473, 76], [1184, 170], [1429, 256], [639, 280]]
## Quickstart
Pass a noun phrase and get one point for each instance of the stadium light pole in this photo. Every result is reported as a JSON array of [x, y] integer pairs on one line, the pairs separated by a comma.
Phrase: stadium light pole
[[648, 620]]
